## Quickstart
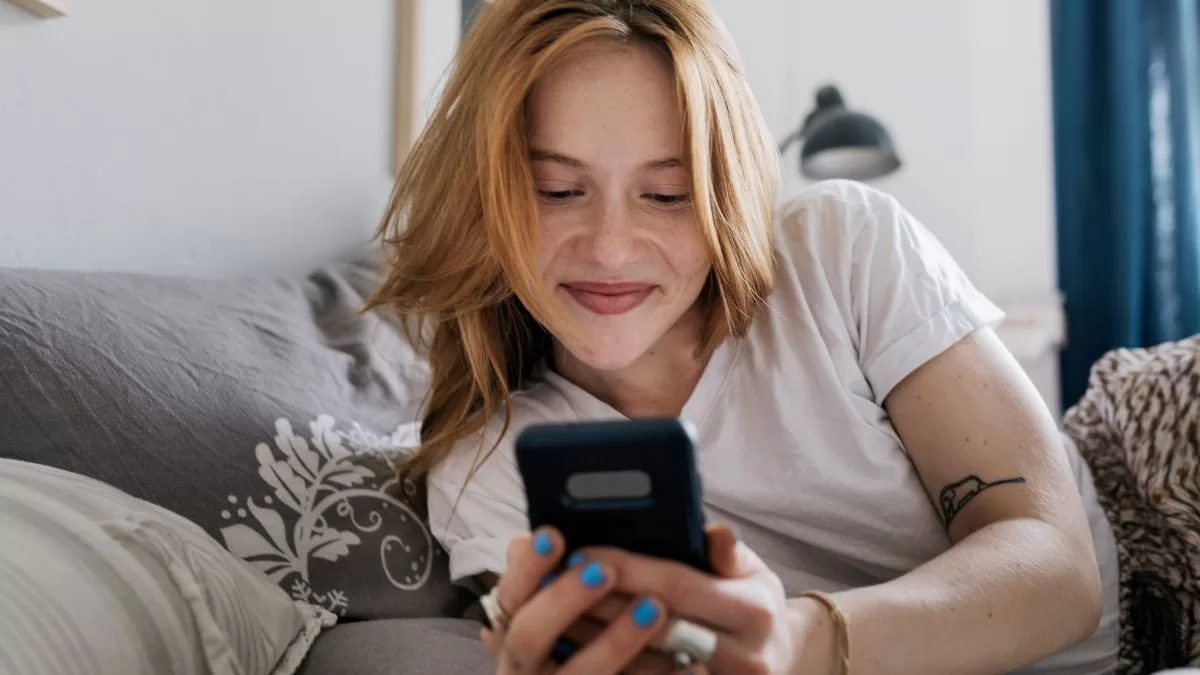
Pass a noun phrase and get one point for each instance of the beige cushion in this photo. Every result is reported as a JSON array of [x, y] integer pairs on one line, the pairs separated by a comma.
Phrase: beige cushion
[[95, 581]]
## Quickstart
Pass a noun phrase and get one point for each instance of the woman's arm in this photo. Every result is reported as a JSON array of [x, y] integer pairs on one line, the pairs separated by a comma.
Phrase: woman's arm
[[1020, 582]]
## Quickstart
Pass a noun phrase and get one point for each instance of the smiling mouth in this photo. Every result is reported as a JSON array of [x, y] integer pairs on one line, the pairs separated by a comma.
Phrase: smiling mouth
[[609, 299]]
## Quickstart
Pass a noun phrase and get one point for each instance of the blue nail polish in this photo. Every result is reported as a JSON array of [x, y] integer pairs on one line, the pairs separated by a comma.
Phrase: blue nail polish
[[547, 580], [592, 576], [542, 544], [645, 614], [576, 559], [563, 650]]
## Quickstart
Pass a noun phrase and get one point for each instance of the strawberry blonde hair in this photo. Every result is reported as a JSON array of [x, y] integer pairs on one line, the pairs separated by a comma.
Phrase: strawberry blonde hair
[[461, 229]]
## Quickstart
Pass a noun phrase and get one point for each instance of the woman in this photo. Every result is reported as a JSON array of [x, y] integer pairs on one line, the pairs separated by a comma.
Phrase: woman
[[586, 230]]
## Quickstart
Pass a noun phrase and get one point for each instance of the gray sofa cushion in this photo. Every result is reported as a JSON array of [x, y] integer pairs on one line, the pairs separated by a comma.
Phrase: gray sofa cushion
[[268, 411], [408, 646]]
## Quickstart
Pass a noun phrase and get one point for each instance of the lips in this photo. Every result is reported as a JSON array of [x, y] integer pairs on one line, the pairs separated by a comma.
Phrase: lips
[[609, 299]]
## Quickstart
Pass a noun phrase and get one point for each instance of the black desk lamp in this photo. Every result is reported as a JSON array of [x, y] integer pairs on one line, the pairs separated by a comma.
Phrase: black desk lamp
[[839, 143]]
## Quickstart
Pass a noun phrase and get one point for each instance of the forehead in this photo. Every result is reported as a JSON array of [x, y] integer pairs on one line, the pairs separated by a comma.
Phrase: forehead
[[607, 101]]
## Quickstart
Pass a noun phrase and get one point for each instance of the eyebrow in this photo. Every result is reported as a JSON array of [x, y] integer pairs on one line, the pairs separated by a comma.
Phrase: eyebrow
[[566, 160]]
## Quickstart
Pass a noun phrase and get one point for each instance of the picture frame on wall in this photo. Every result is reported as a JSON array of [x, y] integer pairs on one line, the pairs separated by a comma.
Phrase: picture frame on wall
[[408, 50], [407, 112]]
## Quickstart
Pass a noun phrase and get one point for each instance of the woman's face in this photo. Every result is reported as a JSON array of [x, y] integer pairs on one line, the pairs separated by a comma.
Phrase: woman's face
[[619, 246]]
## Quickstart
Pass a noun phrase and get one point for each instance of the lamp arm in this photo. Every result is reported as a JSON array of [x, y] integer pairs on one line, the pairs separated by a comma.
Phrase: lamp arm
[[786, 143]]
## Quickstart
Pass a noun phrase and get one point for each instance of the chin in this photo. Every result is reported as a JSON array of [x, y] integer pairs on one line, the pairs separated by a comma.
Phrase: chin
[[603, 359], [605, 353]]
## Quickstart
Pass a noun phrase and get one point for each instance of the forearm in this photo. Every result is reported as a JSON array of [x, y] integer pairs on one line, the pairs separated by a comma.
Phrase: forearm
[[1009, 594]]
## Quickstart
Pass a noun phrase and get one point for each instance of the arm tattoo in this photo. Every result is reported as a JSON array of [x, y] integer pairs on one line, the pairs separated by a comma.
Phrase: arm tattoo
[[956, 495]]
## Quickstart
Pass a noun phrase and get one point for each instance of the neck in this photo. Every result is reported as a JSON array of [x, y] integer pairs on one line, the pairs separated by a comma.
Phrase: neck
[[656, 385]]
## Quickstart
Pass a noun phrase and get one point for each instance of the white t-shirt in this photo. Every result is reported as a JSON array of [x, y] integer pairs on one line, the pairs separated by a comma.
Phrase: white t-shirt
[[795, 449]]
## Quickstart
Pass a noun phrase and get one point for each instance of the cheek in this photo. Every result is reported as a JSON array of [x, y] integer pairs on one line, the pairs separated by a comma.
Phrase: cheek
[[550, 247], [699, 264], [690, 257]]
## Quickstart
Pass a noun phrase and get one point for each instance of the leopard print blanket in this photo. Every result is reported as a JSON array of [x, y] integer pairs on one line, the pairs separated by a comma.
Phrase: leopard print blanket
[[1138, 428]]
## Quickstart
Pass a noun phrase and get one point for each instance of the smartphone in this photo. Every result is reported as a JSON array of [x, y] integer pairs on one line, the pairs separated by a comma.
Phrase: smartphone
[[628, 484]]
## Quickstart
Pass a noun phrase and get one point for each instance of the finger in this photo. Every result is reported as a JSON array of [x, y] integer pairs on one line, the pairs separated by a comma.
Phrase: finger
[[531, 635], [610, 608], [490, 640], [530, 558], [722, 551], [615, 649], [729, 656], [606, 610], [647, 662], [735, 605]]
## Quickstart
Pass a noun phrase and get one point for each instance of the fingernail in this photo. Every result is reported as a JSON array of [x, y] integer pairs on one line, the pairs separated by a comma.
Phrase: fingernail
[[542, 544], [576, 559], [547, 580], [592, 576], [563, 650], [645, 614]]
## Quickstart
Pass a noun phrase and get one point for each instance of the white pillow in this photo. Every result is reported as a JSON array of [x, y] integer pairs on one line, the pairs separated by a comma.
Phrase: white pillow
[[93, 580]]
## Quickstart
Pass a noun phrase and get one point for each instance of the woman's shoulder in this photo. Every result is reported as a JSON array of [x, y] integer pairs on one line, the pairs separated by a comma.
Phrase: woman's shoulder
[[845, 248], [840, 191], [841, 228], [835, 210]]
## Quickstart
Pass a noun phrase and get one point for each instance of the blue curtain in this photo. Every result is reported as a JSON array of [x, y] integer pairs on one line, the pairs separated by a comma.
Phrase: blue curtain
[[1126, 77]]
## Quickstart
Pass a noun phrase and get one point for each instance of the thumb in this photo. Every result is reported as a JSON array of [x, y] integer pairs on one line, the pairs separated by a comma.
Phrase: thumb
[[723, 552]]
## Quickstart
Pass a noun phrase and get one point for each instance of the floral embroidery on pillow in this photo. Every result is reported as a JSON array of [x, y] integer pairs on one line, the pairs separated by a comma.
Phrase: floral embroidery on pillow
[[324, 496]]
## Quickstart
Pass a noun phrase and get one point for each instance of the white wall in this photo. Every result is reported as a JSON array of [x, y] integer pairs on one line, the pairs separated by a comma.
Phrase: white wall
[[223, 137], [211, 137], [226, 137], [964, 87]]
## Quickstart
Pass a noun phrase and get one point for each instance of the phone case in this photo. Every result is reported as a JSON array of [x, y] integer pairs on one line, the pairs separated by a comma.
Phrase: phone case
[[627, 484]]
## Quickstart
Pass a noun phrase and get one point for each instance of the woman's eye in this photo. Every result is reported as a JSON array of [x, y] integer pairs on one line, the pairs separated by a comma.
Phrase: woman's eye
[[558, 195], [670, 200]]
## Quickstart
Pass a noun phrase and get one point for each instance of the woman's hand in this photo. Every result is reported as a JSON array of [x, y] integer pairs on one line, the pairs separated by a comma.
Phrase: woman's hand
[[757, 630], [549, 616]]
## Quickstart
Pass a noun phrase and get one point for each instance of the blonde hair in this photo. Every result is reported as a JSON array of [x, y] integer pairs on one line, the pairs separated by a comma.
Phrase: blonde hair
[[461, 228]]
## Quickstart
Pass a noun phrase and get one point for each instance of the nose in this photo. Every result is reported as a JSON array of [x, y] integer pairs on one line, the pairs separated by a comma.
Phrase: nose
[[611, 241]]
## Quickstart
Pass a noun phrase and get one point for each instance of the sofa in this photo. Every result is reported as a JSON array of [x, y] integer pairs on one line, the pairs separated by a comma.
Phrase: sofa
[[261, 420], [270, 413]]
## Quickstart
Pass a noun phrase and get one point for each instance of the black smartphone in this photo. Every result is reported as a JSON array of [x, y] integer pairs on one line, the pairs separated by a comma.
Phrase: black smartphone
[[628, 484]]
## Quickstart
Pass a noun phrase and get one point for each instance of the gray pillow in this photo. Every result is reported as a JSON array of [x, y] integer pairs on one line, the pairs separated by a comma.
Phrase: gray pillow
[[269, 411], [94, 581]]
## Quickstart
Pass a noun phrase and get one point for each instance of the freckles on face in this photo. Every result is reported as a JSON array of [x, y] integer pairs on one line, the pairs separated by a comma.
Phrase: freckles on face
[[619, 246]]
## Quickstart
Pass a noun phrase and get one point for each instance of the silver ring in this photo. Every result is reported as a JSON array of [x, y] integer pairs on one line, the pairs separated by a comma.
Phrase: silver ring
[[681, 661], [689, 643], [491, 607]]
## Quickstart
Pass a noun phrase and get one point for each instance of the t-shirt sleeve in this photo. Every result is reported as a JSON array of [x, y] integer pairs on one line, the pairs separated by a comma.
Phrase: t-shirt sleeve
[[909, 299], [475, 520]]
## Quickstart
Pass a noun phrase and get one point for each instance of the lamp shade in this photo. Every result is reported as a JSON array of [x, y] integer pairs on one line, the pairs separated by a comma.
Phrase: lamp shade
[[840, 143]]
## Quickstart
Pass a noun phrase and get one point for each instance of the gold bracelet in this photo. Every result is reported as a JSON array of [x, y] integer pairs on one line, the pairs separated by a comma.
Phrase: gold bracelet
[[839, 623]]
